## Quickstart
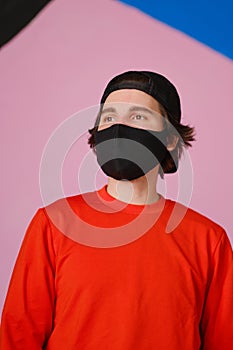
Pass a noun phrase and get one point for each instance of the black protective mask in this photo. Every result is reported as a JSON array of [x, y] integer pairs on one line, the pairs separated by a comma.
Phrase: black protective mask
[[127, 153]]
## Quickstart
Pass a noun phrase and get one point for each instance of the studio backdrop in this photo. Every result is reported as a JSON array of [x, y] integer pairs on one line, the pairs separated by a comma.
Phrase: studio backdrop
[[55, 61]]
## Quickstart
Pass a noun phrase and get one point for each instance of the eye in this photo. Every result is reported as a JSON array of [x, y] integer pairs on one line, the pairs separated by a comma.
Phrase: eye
[[108, 119], [138, 117]]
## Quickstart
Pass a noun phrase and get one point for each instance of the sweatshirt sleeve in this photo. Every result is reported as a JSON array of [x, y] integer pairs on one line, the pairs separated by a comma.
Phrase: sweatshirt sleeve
[[217, 319], [27, 317]]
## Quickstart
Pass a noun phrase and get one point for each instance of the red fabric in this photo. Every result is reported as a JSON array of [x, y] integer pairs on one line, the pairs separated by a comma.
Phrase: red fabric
[[162, 291]]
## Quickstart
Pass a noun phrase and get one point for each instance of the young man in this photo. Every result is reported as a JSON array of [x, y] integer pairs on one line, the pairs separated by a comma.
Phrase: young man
[[99, 270]]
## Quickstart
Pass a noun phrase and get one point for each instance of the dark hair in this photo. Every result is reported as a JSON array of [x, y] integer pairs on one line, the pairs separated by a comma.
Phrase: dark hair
[[185, 134]]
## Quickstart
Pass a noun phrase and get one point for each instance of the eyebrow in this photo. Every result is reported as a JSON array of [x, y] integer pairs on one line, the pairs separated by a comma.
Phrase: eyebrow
[[108, 110], [131, 109], [140, 109]]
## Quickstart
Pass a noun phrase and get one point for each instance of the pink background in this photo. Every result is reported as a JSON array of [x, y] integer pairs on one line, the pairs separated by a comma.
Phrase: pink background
[[60, 64]]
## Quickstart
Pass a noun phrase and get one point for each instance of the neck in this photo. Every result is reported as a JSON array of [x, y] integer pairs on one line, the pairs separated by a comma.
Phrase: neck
[[139, 191]]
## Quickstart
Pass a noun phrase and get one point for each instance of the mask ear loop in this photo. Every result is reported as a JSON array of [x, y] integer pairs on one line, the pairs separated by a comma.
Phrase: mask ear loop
[[165, 129], [97, 122]]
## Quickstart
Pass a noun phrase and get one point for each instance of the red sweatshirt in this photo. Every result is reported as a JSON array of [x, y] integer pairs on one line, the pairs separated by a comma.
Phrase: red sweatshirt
[[155, 290]]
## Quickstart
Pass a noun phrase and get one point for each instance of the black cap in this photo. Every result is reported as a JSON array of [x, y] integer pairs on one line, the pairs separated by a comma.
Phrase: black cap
[[157, 86], [154, 84]]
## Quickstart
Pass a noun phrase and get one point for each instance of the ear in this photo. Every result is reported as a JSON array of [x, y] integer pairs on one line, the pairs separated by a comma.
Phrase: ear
[[172, 143]]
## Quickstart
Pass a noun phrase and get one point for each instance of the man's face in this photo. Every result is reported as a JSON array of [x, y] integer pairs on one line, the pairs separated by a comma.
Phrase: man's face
[[133, 108]]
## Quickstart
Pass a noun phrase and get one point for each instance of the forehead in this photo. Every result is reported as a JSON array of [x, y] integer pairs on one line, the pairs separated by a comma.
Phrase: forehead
[[133, 96]]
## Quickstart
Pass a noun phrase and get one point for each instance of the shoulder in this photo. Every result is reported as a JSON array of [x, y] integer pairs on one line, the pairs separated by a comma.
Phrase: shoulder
[[186, 220], [68, 213], [72, 203], [196, 232], [202, 221]]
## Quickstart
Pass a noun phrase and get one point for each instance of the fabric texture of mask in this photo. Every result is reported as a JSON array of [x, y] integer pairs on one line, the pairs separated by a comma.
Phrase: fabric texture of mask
[[127, 153]]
